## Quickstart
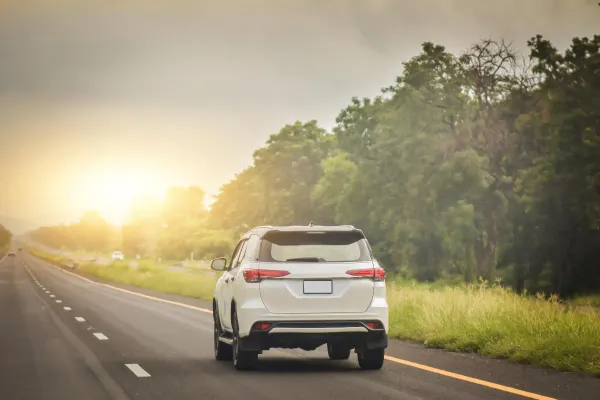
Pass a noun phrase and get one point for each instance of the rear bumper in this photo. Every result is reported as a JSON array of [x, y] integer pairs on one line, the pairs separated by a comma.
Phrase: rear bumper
[[253, 311], [308, 335]]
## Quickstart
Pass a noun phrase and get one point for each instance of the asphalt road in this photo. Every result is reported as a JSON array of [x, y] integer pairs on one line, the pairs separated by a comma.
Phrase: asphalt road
[[66, 337]]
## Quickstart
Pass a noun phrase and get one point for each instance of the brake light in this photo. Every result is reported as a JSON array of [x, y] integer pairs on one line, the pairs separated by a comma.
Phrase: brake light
[[374, 325], [261, 326], [256, 275], [376, 274]]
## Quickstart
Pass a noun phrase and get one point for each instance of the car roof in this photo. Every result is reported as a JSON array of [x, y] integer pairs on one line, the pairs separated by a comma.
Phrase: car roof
[[262, 230]]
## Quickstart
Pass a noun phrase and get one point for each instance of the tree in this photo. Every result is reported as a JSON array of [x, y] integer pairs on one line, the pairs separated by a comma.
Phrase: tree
[[5, 236], [277, 188]]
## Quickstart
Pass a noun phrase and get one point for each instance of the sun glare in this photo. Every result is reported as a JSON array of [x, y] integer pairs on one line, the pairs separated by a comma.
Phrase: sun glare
[[111, 191]]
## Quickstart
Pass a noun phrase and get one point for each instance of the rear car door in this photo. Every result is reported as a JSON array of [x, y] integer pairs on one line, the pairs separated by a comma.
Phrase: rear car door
[[325, 272], [224, 304], [229, 279]]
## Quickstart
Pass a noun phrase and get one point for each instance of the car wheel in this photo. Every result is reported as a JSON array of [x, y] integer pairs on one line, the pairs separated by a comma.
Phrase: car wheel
[[338, 352], [371, 359], [223, 351], [242, 360]]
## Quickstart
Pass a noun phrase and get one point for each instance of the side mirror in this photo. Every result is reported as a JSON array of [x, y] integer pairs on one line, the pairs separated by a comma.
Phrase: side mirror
[[218, 264]]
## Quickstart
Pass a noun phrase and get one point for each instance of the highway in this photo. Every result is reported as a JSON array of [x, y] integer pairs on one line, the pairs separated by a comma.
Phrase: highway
[[63, 336]]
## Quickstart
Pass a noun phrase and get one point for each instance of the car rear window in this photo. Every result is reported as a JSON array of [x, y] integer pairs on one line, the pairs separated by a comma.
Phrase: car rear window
[[312, 246]]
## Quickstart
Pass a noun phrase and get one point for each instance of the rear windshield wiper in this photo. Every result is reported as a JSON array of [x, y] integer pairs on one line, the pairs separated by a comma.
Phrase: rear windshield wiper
[[307, 259]]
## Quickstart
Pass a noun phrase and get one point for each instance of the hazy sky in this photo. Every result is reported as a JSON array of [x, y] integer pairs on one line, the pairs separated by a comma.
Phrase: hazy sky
[[97, 103]]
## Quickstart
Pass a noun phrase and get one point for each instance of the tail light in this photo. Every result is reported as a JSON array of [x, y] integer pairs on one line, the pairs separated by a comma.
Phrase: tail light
[[256, 275], [374, 325], [261, 326], [376, 274]]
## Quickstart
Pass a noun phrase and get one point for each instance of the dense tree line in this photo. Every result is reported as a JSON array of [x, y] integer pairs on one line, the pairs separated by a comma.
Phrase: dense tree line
[[482, 164], [5, 237], [91, 232], [172, 229]]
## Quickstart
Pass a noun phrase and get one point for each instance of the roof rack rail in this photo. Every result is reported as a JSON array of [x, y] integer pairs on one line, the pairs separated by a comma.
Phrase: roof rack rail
[[349, 226]]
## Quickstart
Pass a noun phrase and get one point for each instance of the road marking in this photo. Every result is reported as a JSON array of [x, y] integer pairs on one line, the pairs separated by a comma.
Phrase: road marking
[[67, 308], [438, 371], [100, 336], [469, 379], [205, 310], [47, 291], [59, 301], [79, 319], [52, 295], [137, 370]]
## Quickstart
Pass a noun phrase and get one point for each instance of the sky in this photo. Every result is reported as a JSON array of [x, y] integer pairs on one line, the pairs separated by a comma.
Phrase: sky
[[99, 103]]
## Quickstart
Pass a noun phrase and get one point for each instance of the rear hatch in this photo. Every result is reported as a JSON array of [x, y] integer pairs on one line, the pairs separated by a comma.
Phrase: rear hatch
[[317, 265]]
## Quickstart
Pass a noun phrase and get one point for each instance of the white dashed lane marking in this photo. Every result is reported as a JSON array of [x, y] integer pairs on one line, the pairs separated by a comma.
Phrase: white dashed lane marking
[[100, 336], [59, 301], [52, 295], [79, 319], [67, 308], [138, 371]]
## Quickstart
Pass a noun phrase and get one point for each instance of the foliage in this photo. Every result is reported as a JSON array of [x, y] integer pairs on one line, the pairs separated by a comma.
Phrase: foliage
[[480, 164], [496, 322], [5, 237]]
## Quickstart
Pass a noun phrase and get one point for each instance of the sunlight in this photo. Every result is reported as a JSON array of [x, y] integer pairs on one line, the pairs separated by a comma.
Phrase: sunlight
[[110, 191]]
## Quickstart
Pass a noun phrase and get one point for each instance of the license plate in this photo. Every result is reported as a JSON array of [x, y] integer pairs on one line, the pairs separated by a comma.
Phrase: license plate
[[318, 287]]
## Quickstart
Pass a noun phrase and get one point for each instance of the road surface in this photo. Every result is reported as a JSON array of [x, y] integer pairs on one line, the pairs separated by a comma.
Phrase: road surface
[[66, 337]]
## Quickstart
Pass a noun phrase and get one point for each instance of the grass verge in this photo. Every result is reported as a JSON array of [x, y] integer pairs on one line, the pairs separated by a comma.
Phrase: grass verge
[[498, 323], [489, 320], [196, 283]]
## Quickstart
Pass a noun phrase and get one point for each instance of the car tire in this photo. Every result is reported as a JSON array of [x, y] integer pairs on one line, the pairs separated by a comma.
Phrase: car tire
[[223, 351], [338, 352], [371, 359], [242, 360]]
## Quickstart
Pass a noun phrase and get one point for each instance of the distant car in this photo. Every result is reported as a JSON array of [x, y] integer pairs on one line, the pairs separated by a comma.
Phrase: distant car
[[117, 255], [11, 254]]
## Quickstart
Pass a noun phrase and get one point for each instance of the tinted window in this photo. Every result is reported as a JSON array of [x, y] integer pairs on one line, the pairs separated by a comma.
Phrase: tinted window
[[236, 254], [250, 252], [314, 247]]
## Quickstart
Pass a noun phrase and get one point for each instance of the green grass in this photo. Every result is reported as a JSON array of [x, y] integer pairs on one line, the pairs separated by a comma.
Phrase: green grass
[[591, 300], [496, 322], [198, 285], [492, 321]]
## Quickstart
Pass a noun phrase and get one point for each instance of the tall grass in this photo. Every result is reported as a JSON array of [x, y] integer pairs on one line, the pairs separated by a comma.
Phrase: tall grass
[[490, 320], [499, 323], [590, 300]]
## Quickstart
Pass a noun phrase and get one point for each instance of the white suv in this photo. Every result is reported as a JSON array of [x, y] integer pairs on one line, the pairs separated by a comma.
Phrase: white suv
[[117, 255], [301, 287]]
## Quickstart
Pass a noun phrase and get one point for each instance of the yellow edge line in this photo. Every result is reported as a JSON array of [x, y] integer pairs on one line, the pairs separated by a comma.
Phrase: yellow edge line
[[438, 371], [469, 379]]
